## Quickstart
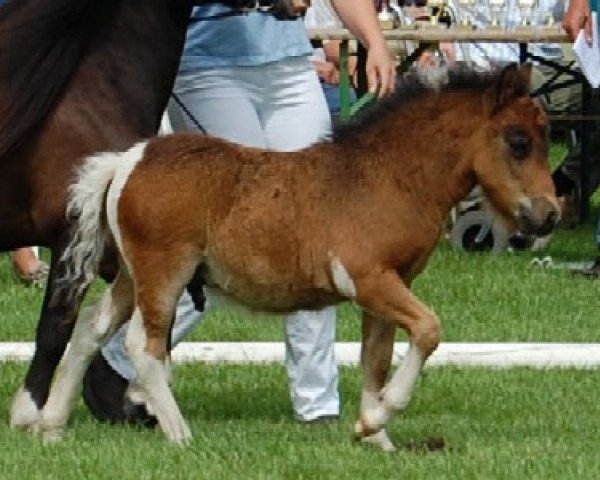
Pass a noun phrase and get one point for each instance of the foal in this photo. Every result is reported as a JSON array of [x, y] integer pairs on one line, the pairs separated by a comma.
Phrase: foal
[[351, 220]]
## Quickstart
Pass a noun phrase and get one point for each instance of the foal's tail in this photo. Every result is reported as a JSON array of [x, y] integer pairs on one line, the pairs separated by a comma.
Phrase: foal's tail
[[80, 260]]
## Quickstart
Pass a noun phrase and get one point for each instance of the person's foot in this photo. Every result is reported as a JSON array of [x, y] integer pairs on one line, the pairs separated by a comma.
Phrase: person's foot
[[104, 394], [591, 272], [322, 420]]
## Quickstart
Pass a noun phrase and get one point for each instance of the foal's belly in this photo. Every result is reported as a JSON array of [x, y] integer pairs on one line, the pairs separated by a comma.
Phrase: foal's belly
[[268, 292]]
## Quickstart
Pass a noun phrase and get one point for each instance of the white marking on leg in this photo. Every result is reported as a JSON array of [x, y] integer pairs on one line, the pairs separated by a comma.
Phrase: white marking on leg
[[396, 394], [398, 391], [152, 386], [341, 278], [92, 327], [24, 413], [381, 440]]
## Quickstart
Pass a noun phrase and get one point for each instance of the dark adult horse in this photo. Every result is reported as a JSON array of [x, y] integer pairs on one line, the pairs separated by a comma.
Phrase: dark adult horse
[[76, 77]]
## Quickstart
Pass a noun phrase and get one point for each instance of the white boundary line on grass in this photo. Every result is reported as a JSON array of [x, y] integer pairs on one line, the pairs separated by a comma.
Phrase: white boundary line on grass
[[499, 355]]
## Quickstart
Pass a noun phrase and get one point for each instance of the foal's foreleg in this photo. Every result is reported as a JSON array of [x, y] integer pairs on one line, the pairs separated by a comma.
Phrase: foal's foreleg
[[388, 298], [375, 358], [92, 329]]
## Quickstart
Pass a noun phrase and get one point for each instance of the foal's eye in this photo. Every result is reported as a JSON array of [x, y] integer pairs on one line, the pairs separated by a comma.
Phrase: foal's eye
[[518, 141]]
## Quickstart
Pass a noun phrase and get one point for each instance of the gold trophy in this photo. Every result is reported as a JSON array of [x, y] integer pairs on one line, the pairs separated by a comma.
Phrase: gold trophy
[[465, 16], [386, 17], [497, 8], [437, 9], [526, 8]]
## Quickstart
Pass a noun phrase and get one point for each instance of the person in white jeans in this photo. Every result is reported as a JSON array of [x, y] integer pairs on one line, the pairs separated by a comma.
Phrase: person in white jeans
[[265, 94]]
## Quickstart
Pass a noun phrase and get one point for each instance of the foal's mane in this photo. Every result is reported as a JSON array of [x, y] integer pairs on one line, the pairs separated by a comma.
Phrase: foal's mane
[[413, 86], [41, 45]]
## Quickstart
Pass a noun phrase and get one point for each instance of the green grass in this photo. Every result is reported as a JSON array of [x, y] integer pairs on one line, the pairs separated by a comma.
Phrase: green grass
[[503, 424], [496, 424]]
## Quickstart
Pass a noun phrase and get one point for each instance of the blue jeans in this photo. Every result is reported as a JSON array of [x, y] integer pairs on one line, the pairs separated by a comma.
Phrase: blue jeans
[[334, 98]]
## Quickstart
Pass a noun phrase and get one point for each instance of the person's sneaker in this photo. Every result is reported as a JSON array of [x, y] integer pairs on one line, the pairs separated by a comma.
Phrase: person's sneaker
[[104, 394], [591, 272]]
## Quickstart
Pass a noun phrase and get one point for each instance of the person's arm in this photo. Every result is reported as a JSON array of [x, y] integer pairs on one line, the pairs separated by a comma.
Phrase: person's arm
[[360, 17], [578, 16]]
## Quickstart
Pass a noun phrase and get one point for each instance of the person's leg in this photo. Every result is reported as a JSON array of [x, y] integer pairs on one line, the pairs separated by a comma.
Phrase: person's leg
[[294, 117]]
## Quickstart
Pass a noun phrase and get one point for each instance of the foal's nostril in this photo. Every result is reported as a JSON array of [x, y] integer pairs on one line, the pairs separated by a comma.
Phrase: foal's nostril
[[550, 222]]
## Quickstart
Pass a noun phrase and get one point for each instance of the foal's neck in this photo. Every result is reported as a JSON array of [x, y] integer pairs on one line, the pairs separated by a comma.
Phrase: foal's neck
[[425, 142]]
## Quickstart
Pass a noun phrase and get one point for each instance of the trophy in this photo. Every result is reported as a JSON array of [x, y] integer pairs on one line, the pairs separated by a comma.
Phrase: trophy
[[497, 8], [386, 16], [438, 12], [527, 8], [465, 16]]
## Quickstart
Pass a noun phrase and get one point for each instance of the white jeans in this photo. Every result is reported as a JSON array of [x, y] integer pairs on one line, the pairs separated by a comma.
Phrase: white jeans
[[279, 106]]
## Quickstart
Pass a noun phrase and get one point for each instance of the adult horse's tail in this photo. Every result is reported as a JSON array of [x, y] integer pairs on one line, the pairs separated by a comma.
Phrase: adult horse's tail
[[85, 212]]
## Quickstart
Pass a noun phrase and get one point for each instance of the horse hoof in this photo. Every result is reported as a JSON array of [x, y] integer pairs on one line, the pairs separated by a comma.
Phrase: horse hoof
[[52, 435], [380, 440], [372, 421], [176, 431], [24, 413]]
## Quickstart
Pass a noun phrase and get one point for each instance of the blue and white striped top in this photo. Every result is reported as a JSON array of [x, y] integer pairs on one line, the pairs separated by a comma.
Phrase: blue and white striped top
[[486, 54]]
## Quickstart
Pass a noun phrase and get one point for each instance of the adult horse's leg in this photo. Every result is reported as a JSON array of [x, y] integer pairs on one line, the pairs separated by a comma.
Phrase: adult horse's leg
[[93, 327], [387, 297], [52, 335], [375, 357]]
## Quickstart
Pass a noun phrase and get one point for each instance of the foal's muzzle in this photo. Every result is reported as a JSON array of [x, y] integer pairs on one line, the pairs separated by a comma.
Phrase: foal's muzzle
[[538, 216]]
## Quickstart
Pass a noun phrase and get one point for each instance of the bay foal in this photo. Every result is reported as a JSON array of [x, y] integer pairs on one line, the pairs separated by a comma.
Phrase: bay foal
[[354, 220]]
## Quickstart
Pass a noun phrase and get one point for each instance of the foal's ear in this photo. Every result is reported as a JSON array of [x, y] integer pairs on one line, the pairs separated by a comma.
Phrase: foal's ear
[[512, 82]]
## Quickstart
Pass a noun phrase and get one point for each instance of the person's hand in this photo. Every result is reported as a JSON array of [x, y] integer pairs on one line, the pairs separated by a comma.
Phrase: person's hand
[[578, 16], [381, 70], [327, 72]]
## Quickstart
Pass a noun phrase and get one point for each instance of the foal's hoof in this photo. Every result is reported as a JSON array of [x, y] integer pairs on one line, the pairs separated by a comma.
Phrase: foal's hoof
[[380, 440], [52, 435], [177, 432], [24, 414]]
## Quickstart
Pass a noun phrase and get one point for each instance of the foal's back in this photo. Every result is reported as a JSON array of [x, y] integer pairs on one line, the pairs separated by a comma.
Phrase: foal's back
[[250, 215]]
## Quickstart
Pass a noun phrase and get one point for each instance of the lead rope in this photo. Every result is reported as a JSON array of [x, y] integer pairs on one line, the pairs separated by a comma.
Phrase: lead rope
[[188, 113]]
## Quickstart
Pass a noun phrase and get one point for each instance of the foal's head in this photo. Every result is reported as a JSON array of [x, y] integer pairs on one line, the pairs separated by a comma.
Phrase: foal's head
[[514, 172]]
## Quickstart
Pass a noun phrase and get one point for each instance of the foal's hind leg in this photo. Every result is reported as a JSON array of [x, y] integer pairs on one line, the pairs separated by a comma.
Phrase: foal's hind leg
[[157, 291], [386, 297], [92, 329]]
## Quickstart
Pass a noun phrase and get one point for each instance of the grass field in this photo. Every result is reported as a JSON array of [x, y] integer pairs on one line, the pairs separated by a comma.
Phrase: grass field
[[494, 424]]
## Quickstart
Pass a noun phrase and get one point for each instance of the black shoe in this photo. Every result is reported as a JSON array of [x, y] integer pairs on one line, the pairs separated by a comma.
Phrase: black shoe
[[322, 420], [591, 272], [104, 394]]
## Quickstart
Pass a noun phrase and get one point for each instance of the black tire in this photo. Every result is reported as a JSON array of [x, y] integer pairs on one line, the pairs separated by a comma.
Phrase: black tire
[[470, 225]]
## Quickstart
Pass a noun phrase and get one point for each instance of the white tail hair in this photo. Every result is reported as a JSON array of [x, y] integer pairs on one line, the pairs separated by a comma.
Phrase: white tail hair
[[80, 260]]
